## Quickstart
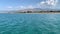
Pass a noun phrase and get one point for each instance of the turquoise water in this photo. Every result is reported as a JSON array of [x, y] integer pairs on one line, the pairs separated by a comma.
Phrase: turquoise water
[[29, 23]]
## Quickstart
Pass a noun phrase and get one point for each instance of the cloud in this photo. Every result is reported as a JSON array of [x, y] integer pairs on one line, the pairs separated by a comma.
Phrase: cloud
[[51, 2], [22, 7], [25, 7], [9, 7], [48, 3], [30, 6], [19, 7]]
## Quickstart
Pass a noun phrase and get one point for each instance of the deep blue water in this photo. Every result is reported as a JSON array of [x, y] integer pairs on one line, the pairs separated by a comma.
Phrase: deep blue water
[[29, 23]]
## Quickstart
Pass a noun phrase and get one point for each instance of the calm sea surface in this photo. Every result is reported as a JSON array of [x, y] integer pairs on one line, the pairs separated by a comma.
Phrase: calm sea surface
[[29, 23]]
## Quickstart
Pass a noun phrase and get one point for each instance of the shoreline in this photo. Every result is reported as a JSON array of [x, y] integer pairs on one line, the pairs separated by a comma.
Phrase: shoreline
[[31, 13], [34, 13]]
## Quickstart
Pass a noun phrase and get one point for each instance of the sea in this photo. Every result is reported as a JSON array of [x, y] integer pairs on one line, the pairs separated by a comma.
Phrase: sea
[[29, 23]]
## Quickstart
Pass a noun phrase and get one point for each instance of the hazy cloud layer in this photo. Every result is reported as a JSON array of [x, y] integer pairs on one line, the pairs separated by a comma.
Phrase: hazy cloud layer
[[41, 4]]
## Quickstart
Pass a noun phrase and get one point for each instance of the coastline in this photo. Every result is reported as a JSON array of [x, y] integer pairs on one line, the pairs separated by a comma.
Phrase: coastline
[[39, 12], [34, 13]]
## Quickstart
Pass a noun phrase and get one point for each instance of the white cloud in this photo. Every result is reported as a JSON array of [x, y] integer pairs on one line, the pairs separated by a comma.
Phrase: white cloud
[[25, 7], [48, 3], [9, 7], [18, 7], [42, 2], [30, 6], [51, 2], [22, 7]]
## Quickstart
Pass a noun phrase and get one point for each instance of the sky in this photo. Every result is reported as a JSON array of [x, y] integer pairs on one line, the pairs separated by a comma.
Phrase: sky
[[25, 4]]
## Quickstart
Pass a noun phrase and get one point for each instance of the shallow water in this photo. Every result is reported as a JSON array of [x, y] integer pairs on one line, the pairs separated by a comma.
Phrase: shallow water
[[29, 23]]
